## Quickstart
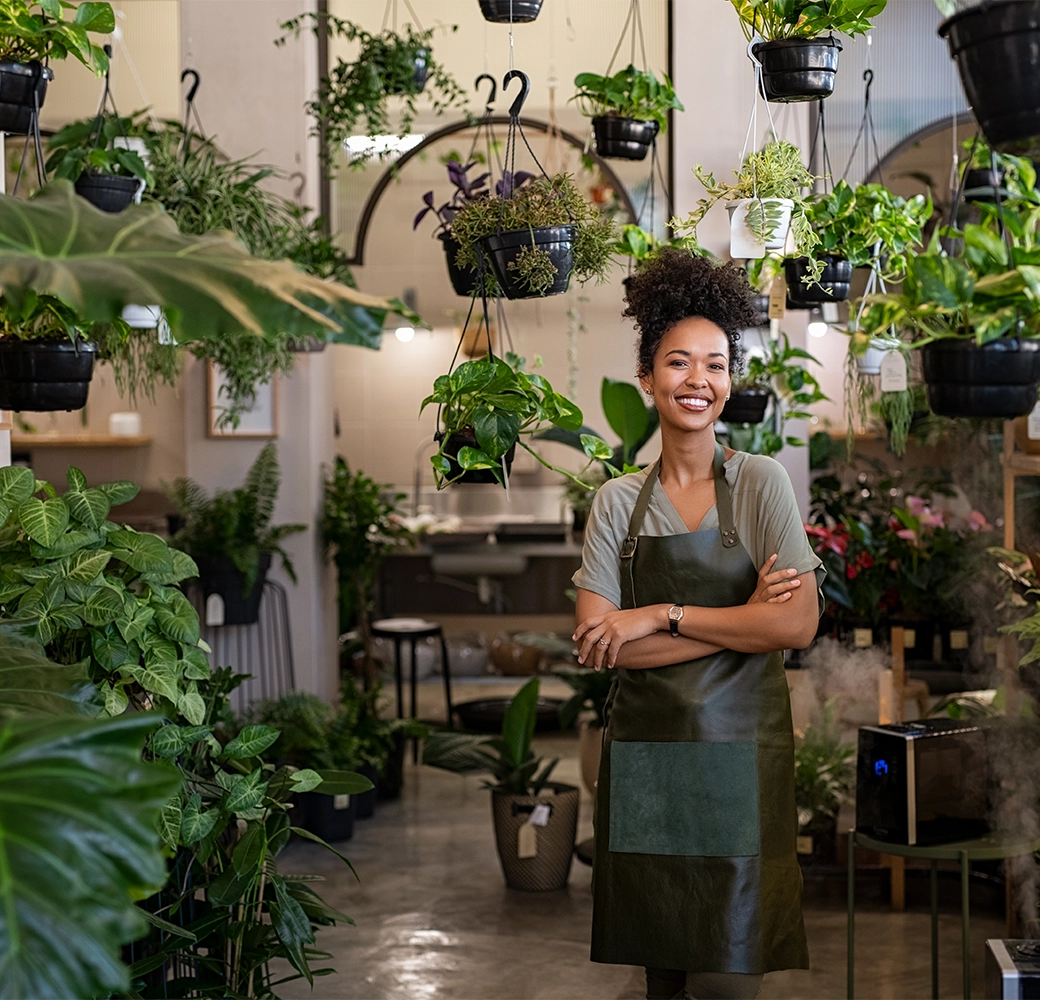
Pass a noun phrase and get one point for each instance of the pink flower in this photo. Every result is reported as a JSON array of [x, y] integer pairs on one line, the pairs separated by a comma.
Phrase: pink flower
[[908, 535], [930, 519], [977, 521], [916, 505]]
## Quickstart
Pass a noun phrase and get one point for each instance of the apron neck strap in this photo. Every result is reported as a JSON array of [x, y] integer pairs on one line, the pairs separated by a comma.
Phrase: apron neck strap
[[724, 499], [635, 522]]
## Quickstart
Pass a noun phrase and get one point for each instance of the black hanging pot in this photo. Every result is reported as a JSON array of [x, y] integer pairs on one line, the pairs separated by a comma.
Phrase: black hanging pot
[[503, 249], [421, 61], [746, 406], [109, 192], [797, 69], [464, 439], [996, 47], [506, 11], [623, 138], [220, 576], [18, 83], [997, 380], [463, 280], [42, 375], [833, 286], [982, 183]]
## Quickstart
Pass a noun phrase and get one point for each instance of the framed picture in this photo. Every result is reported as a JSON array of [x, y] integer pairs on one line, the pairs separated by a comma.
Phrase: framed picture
[[258, 421]]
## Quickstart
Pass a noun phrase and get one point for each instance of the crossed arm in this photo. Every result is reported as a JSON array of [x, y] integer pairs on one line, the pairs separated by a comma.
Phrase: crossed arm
[[781, 614]]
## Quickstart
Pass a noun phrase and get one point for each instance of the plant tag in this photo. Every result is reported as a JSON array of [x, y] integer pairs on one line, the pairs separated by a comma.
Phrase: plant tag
[[803, 845], [989, 645], [527, 841], [909, 638], [539, 816], [778, 297], [214, 610], [862, 638], [958, 638], [1033, 424], [893, 372], [830, 312], [340, 801]]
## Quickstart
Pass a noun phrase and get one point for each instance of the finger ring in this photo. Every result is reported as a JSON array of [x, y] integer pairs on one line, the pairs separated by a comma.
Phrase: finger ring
[[604, 642]]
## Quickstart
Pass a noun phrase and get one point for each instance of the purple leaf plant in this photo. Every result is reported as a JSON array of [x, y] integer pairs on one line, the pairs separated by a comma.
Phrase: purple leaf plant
[[466, 191]]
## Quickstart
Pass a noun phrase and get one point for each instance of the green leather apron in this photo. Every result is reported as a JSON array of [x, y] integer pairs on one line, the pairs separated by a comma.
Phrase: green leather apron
[[695, 865]]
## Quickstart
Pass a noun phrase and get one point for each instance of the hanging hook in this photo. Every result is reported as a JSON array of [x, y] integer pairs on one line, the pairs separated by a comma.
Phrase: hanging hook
[[194, 87], [525, 89], [492, 92], [868, 76]]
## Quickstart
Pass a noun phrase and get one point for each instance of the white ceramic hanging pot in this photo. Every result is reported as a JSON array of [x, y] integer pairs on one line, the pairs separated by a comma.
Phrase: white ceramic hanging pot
[[870, 362], [742, 241], [148, 318]]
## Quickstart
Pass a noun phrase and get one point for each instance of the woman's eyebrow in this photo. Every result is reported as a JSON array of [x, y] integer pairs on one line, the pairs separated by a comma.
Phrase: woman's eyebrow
[[686, 354]]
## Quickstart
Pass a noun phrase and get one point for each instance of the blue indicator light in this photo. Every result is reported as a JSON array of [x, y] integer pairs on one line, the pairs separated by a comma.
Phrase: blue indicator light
[[881, 767]]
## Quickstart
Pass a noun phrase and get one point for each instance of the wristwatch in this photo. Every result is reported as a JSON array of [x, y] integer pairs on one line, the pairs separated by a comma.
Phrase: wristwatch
[[675, 613]]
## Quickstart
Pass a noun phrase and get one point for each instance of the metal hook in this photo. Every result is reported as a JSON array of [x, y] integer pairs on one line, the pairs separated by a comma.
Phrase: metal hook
[[194, 87], [868, 76], [525, 89], [494, 89]]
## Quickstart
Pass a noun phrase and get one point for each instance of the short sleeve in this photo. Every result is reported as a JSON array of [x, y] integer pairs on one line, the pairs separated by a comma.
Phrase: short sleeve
[[605, 529]]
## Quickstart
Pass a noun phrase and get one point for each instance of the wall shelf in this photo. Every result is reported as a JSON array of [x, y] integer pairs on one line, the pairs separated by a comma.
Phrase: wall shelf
[[28, 442]]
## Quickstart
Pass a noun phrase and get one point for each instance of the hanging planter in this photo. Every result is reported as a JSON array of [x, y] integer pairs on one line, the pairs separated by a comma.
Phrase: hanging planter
[[468, 439], [510, 11], [869, 362], [623, 138], [521, 260], [463, 281], [421, 64], [982, 183], [746, 406], [23, 86], [44, 375], [751, 239], [221, 577], [108, 192], [833, 285], [995, 380], [797, 69], [996, 47]]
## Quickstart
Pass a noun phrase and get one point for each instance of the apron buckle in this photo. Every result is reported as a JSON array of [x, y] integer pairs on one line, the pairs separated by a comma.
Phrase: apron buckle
[[628, 547]]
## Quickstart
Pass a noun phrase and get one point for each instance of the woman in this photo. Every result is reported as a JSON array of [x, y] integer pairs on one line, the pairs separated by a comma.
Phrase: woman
[[696, 876]]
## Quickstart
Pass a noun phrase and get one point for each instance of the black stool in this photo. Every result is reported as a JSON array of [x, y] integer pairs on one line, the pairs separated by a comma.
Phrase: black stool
[[412, 630]]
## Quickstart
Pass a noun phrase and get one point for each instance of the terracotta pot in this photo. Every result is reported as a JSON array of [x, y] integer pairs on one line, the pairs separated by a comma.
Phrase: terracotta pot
[[514, 659], [590, 749]]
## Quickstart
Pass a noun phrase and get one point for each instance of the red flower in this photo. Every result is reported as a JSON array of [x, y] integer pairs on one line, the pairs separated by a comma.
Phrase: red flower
[[851, 571], [865, 559]]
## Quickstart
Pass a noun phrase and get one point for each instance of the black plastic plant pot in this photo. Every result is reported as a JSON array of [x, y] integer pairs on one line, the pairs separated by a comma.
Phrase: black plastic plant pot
[[330, 817], [996, 46], [365, 802], [504, 248], [18, 83], [506, 11], [463, 280], [221, 576], [620, 138], [109, 192], [746, 406], [997, 380], [45, 375], [391, 781], [833, 286], [980, 184], [467, 439], [798, 69]]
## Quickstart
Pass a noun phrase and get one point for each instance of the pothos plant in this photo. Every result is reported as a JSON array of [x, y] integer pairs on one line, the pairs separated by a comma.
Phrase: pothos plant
[[387, 65], [37, 29], [91, 145], [629, 93], [777, 19], [499, 404], [94, 593]]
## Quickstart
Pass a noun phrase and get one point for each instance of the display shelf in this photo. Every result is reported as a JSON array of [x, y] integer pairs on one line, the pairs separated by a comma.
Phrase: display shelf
[[27, 442]]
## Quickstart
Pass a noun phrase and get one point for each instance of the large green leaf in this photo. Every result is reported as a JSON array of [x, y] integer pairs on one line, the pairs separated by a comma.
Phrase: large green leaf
[[292, 927], [17, 484], [43, 520], [78, 844], [142, 551], [251, 742], [89, 507], [29, 682], [179, 620], [518, 724], [209, 286], [625, 411]]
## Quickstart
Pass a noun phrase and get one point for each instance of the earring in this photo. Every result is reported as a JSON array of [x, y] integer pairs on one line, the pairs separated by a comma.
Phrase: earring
[[727, 399], [649, 392]]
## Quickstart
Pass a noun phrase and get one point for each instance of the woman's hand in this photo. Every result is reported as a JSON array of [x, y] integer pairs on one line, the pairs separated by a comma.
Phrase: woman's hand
[[774, 587], [601, 637]]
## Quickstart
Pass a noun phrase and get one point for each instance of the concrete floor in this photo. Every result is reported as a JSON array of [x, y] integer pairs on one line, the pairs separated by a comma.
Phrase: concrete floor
[[435, 920]]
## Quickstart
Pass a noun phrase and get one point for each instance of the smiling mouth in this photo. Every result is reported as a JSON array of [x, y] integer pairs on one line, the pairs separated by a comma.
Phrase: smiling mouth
[[695, 404]]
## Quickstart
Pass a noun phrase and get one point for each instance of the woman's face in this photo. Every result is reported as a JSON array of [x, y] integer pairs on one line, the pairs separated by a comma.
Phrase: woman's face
[[690, 380]]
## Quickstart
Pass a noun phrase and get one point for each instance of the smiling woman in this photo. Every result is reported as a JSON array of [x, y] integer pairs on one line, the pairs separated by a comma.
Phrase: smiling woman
[[696, 785]]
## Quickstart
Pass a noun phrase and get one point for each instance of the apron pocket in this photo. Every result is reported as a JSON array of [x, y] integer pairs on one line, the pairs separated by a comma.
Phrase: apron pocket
[[688, 799]]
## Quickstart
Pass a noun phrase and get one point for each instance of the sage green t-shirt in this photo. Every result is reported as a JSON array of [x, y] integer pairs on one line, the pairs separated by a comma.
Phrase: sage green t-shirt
[[764, 509]]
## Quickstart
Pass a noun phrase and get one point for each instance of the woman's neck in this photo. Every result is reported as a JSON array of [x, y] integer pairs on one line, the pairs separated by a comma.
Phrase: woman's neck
[[686, 457]]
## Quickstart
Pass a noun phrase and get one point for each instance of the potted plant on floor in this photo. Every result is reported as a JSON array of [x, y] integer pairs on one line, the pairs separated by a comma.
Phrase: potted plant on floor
[[353, 98], [766, 203], [34, 33], [489, 406], [798, 63], [587, 707], [533, 236], [231, 538], [107, 174], [510, 11], [463, 281], [535, 820], [628, 110]]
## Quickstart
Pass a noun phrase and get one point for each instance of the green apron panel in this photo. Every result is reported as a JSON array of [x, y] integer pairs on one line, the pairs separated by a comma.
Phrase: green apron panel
[[690, 799]]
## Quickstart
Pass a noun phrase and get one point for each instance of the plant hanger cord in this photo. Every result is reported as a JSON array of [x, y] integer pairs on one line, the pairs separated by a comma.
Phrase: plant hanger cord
[[753, 120], [866, 130], [390, 11], [820, 135], [190, 111], [107, 98]]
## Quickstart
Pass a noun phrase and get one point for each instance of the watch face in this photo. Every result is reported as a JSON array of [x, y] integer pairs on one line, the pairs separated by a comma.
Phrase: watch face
[[674, 613]]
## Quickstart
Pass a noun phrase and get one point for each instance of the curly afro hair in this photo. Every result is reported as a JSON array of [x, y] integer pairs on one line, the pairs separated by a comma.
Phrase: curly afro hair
[[675, 285]]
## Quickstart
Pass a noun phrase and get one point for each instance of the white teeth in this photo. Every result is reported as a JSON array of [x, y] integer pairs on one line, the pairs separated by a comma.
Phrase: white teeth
[[693, 402]]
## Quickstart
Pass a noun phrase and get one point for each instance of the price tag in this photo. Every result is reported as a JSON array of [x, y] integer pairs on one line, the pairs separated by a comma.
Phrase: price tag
[[909, 638], [862, 638], [527, 842], [958, 639], [1033, 424], [540, 816], [893, 372], [803, 845], [214, 610], [778, 297], [340, 801]]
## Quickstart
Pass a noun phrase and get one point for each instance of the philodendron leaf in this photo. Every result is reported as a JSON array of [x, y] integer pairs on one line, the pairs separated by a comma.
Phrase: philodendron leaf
[[75, 479], [78, 816], [43, 520], [305, 780], [31, 683], [89, 507], [120, 492], [197, 824], [17, 484], [83, 567], [192, 707], [178, 620], [101, 607], [596, 447], [140, 550], [251, 742], [71, 541], [209, 286]]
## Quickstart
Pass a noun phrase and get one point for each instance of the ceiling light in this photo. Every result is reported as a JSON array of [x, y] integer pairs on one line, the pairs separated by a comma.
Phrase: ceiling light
[[404, 333], [817, 329]]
